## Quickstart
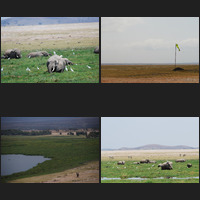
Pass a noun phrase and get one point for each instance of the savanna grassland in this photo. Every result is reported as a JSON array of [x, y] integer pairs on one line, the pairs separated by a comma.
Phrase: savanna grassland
[[74, 41], [149, 74], [149, 173], [66, 153]]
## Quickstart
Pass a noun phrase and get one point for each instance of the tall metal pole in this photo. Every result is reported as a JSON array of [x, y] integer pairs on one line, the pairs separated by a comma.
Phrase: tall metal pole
[[175, 55]]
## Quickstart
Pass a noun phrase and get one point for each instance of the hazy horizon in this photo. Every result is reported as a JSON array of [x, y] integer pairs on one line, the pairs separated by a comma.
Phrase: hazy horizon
[[131, 132], [149, 39]]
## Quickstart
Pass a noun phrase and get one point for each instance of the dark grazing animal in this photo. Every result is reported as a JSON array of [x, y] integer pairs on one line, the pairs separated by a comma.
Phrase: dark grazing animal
[[96, 50], [166, 166], [121, 163], [38, 54], [189, 165], [147, 161], [12, 53], [180, 160]]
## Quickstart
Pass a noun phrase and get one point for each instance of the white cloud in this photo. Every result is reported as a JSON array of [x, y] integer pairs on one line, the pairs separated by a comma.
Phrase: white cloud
[[164, 44], [119, 24], [190, 42]]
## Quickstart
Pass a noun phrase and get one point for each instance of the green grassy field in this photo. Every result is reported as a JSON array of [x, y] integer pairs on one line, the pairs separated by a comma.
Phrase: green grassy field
[[14, 70], [66, 152], [110, 169]]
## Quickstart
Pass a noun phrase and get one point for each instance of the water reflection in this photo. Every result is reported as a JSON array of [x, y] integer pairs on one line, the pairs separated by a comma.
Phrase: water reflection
[[13, 163]]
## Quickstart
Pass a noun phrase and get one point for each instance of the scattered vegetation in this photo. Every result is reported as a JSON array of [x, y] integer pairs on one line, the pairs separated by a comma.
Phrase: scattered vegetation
[[20, 132]]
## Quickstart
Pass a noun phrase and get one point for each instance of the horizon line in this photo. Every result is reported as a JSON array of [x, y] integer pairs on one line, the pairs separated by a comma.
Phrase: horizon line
[[186, 63]]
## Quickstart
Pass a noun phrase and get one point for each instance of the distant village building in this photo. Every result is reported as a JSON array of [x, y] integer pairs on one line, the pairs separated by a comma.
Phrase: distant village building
[[73, 132]]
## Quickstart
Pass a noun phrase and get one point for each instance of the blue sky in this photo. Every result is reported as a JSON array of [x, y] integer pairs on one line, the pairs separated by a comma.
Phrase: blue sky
[[117, 132], [149, 39]]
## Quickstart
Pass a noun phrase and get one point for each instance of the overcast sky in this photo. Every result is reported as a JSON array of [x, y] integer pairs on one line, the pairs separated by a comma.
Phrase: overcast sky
[[117, 132], [2, 18], [48, 122], [149, 39]]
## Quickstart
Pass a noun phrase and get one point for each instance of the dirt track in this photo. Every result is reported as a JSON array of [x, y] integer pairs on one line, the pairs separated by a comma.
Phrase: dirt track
[[88, 173], [149, 74]]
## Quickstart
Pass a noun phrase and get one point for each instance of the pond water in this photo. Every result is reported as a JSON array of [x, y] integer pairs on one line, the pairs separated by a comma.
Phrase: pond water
[[141, 179], [13, 163]]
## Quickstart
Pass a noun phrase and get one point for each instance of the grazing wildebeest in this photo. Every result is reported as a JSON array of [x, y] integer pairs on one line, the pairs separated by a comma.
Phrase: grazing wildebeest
[[57, 64], [166, 166], [180, 160], [121, 163], [12, 53], [38, 54], [77, 174], [184, 155], [189, 165]]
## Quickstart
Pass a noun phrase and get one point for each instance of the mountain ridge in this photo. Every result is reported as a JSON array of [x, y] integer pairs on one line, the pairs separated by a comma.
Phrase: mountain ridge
[[25, 21], [155, 147]]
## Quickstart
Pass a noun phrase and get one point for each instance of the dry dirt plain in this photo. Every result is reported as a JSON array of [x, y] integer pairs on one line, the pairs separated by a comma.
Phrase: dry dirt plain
[[138, 155], [57, 36], [88, 173], [149, 74]]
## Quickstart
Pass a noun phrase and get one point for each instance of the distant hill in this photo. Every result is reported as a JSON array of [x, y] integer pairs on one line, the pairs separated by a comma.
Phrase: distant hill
[[25, 21], [157, 146]]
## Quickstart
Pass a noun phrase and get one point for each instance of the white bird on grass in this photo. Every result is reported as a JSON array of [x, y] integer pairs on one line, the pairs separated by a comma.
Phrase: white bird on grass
[[54, 53], [71, 69], [38, 68], [66, 69], [29, 57], [88, 67], [9, 58], [27, 69], [2, 69], [73, 53], [61, 56]]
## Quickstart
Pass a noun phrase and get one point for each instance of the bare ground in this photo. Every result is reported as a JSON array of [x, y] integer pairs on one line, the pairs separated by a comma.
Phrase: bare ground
[[150, 154], [50, 36], [88, 173], [149, 74]]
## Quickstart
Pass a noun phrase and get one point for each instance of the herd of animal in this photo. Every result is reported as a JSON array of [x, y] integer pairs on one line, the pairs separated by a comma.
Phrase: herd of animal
[[164, 166], [55, 63]]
